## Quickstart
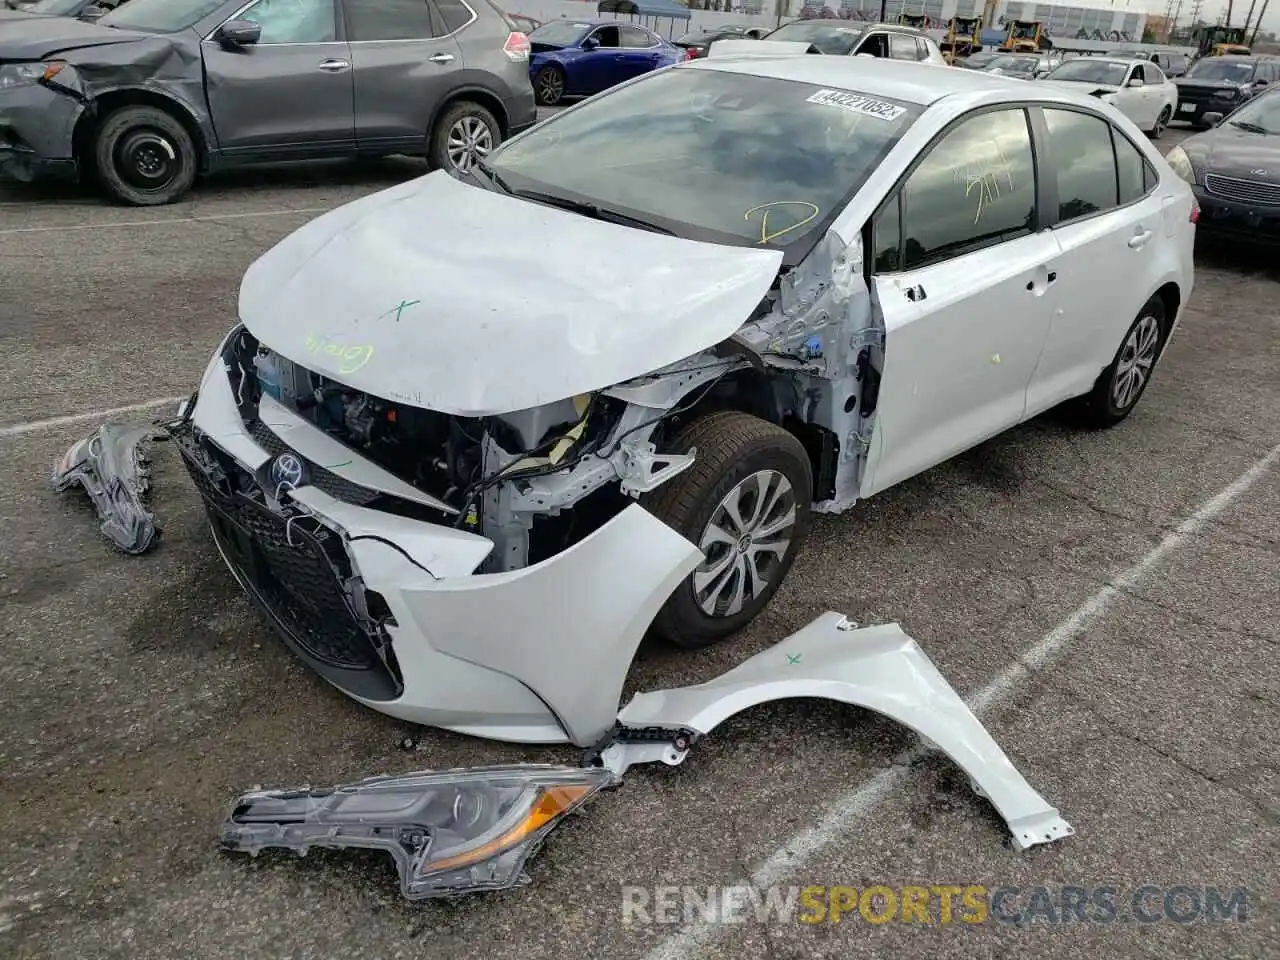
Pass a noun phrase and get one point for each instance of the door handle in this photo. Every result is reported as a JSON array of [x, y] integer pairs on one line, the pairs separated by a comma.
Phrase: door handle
[[1139, 239], [916, 294], [335, 66], [441, 58]]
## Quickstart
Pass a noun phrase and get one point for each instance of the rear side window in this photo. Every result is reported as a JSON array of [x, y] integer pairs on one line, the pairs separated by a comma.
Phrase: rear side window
[[1129, 169], [635, 38], [454, 13], [976, 187], [902, 47], [1085, 161], [388, 19]]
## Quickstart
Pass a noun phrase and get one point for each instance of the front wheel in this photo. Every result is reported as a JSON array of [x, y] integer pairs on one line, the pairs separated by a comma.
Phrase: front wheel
[[1122, 384], [144, 156], [548, 85], [745, 503]]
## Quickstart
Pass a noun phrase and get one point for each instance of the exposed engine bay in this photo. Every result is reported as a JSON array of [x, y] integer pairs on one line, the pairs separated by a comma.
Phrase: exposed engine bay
[[513, 477]]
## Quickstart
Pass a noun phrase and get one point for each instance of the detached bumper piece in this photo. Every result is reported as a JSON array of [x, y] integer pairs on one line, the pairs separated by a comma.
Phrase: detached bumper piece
[[113, 470], [449, 832]]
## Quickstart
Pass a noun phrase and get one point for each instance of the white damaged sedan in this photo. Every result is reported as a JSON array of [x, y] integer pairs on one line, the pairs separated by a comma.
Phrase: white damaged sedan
[[472, 439]]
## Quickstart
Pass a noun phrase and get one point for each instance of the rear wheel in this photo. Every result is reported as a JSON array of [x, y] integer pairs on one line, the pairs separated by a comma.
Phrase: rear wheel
[[464, 135], [144, 156], [1121, 385], [745, 503], [548, 85], [1162, 121]]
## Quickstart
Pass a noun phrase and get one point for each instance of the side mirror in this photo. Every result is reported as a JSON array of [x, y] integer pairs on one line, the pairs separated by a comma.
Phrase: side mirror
[[1135, 82], [238, 33], [591, 43], [1211, 118], [92, 12]]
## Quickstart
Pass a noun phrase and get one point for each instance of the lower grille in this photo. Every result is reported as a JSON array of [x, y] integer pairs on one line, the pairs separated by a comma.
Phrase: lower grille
[[321, 478], [292, 567], [1242, 191]]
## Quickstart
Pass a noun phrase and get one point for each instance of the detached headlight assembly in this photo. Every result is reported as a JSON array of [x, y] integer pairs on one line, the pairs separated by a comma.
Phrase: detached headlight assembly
[[1177, 158], [450, 832], [25, 74]]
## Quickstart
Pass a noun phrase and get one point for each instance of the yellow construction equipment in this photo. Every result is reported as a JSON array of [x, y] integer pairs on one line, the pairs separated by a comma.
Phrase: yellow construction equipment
[[1023, 36], [964, 36]]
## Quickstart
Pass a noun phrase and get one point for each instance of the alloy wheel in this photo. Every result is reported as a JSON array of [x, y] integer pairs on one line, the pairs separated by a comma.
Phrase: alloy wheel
[[744, 543], [469, 141], [1136, 360]]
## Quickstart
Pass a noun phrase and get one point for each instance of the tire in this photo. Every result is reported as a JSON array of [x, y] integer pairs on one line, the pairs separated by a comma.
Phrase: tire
[[548, 85], [735, 451], [1110, 401], [144, 156], [465, 132], [1162, 122]]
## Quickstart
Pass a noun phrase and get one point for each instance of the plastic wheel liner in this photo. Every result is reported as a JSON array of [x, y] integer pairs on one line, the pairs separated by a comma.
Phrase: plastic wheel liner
[[459, 831]]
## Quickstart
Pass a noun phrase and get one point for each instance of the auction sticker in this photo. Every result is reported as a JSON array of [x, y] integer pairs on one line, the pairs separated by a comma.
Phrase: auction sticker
[[867, 106]]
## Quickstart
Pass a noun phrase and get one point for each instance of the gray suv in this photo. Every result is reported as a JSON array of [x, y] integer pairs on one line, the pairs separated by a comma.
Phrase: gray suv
[[159, 91]]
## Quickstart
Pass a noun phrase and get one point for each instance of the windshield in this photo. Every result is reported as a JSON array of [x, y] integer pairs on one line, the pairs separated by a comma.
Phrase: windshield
[[1215, 68], [559, 33], [160, 16], [834, 41], [1013, 64], [1089, 70], [1261, 114], [774, 161], [57, 8]]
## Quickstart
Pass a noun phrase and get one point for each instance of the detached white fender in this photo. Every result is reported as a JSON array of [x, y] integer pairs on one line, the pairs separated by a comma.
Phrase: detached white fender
[[879, 668]]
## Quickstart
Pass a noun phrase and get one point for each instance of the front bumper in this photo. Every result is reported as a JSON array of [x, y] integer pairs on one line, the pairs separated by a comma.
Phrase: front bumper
[[1193, 111], [390, 609], [37, 126], [1230, 219]]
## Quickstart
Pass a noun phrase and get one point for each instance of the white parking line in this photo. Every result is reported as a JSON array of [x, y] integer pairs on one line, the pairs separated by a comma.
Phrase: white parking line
[[164, 221], [34, 426], [693, 939]]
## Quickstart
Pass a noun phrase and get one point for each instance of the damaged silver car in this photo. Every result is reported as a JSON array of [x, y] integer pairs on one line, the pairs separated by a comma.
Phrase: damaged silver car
[[473, 438]]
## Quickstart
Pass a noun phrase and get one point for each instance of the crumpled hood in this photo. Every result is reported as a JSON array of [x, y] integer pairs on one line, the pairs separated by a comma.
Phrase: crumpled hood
[[25, 36], [458, 299]]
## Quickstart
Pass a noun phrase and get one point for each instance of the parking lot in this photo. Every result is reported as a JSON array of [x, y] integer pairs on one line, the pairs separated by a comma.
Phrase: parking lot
[[1108, 602]]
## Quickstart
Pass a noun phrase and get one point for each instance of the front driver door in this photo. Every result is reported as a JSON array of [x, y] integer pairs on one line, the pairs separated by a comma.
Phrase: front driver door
[[290, 94], [965, 280], [600, 67]]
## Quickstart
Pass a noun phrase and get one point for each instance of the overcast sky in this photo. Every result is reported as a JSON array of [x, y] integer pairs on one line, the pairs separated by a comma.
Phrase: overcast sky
[[1209, 10]]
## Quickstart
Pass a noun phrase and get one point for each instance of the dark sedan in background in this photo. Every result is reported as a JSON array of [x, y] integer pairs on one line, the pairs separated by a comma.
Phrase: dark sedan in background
[[1220, 84], [581, 57], [1234, 170], [159, 91], [697, 42]]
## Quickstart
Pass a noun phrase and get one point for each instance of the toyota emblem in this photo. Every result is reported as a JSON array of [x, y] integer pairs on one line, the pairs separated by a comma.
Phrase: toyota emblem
[[286, 471]]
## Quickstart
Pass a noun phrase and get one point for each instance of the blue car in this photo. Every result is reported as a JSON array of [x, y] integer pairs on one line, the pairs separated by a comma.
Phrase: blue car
[[581, 57]]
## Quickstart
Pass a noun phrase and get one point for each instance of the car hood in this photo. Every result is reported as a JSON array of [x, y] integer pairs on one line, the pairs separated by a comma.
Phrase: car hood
[[33, 36], [466, 301], [1206, 84], [1233, 152]]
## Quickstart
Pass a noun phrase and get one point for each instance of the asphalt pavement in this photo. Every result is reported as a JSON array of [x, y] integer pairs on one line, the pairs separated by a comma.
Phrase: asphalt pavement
[[1108, 600]]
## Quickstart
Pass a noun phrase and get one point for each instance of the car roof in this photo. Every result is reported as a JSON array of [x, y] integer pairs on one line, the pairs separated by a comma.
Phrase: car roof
[[912, 82]]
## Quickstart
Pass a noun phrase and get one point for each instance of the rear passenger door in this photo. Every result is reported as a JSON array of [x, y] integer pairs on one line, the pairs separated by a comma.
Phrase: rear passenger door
[[405, 57], [639, 52], [964, 277], [1109, 221]]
